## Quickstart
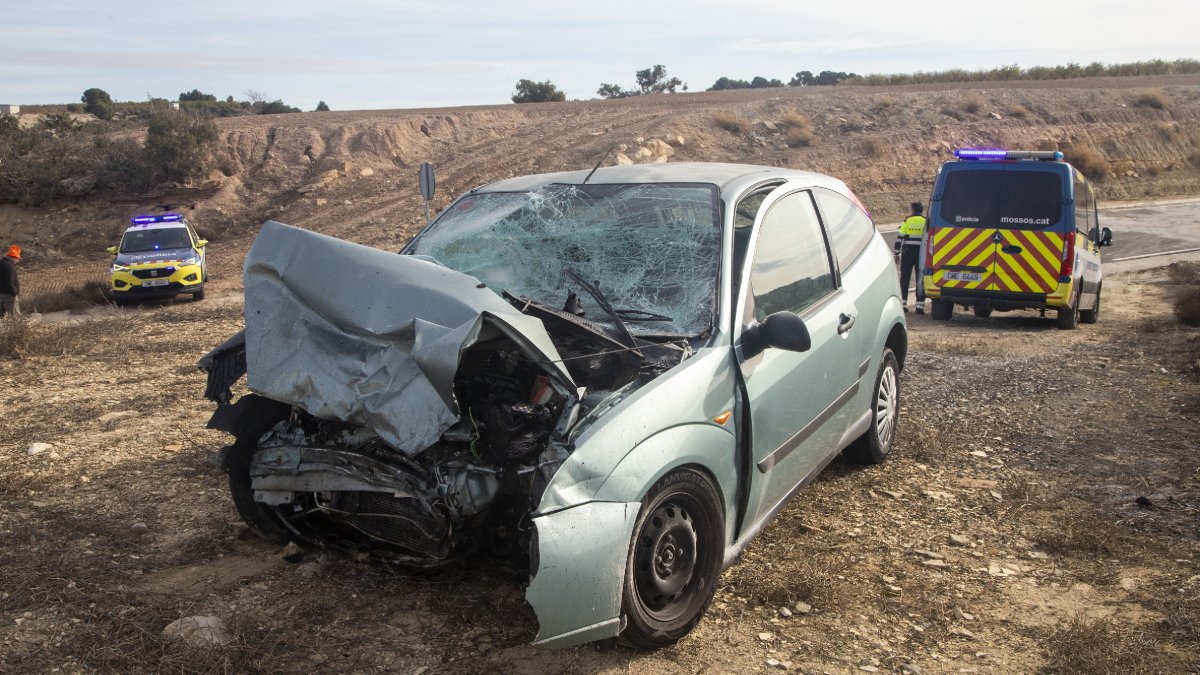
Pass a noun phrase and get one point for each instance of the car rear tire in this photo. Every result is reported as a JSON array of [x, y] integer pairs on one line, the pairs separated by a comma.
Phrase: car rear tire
[[1068, 317], [942, 310], [1092, 315], [981, 311], [876, 443], [674, 561]]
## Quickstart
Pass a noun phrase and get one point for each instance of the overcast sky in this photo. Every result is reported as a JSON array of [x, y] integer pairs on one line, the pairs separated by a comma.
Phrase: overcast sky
[[361, 54]]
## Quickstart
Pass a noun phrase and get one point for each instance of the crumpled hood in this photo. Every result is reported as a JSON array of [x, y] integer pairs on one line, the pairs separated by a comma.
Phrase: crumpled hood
[[144, 257], [368, 337]]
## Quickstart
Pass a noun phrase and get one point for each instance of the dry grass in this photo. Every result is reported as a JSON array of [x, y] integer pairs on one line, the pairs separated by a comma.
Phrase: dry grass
[[972, 103], [1089, 161], [871, 146], [72, 299], [1017, 110], [730, 122], [1169, 133], [1082, 531], [1102, 646], [886, 106], [1186, 303], [19, 337], [1153, 98], [799, 130]]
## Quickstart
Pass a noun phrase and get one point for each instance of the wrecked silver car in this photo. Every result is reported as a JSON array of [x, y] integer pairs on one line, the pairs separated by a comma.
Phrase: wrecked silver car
[[613, 379]]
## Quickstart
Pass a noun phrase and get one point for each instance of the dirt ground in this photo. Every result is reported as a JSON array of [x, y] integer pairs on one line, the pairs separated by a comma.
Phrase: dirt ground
[[1041, 512]]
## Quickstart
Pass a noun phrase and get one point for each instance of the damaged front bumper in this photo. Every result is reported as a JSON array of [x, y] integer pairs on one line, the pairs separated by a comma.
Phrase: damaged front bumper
[[579, 562]]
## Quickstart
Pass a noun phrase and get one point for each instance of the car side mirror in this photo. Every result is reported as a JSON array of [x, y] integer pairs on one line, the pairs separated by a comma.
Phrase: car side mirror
[[201, 243], [112, 250], [781, 330], [1105, 236]]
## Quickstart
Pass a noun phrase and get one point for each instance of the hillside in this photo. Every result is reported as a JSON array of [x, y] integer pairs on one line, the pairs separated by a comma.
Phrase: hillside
[[353, 174]]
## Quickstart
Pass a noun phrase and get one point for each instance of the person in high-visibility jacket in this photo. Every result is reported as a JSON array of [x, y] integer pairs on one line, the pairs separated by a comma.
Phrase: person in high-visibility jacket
[[908, 247]]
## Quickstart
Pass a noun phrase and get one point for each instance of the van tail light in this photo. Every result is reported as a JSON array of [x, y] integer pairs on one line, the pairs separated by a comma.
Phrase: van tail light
[[1068, 259]]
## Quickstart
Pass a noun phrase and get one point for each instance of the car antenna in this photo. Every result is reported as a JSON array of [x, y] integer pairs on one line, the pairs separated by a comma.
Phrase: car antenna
[[589, 176]]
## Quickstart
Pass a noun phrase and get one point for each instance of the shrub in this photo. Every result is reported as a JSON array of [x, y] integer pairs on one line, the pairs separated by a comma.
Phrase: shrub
[[730, 122], [886, 105], [529, 91], [972, 103], [275, 107], [1090, 162], [1169, 133], [1187, 298], [322, 106], [870, 147], [176, 145], [1151, 99], [98, 102], [799, 129], [1017, 110]]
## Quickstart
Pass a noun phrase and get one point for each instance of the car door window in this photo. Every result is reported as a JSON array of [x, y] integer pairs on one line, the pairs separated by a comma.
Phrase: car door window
[[791, 269], [850, 228]]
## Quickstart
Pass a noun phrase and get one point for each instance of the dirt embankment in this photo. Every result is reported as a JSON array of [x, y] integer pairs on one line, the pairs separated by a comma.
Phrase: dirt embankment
[[352, 174]]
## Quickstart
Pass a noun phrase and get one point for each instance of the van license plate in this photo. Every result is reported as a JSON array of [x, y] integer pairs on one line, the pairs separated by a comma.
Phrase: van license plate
[[962, 276], [155, 282]]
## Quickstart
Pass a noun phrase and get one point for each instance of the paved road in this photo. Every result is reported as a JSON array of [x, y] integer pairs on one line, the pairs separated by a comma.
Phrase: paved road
[[1151, 228]]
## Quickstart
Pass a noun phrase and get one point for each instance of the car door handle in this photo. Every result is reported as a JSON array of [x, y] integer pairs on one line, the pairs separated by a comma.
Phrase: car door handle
[[1012, 250], [845, 323]]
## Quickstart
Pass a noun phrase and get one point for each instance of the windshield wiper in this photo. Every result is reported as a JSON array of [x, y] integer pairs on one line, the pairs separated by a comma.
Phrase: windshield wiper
[[598, 295], [641, 315]]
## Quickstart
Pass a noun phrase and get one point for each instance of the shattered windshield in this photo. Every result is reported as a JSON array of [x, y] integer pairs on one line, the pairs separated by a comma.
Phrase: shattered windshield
[[653, 249]]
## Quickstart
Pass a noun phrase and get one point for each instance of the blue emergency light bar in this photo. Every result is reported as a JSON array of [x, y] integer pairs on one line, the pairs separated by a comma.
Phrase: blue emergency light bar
[[164, 218], [991, 153]]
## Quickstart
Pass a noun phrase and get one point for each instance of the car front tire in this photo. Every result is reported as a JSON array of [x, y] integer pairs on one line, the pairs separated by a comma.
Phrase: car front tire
[[674, 559], [876, 444], [259, 517]]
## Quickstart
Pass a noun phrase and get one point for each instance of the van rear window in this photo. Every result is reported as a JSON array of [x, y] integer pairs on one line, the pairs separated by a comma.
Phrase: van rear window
[[1011, 200]]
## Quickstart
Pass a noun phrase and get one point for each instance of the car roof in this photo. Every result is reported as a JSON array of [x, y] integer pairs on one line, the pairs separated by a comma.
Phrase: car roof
[[716, 173], [157, 226]]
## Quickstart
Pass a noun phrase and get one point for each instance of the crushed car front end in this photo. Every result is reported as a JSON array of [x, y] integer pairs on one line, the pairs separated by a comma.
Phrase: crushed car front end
[[424, 421]]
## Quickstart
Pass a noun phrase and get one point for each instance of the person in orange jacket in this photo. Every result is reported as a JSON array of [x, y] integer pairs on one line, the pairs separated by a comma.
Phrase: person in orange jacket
[[10, 285]]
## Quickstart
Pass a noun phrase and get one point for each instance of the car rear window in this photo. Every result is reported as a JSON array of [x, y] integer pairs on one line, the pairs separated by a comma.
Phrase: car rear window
[[1014, 200]]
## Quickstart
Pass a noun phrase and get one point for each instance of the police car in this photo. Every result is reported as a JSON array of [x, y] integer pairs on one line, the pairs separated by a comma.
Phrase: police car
[[1014, 229], [159, 257]]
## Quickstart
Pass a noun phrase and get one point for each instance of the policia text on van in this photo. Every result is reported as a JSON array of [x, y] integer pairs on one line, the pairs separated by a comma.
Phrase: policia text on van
[[1014, 230]]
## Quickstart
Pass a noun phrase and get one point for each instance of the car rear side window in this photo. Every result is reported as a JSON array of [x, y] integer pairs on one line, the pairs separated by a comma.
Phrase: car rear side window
[[850, 229], [791, 270], [1012, 200]]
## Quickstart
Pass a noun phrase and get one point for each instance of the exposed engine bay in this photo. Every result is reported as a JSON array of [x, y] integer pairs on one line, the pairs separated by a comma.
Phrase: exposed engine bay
[[332, 483], [312, 464]]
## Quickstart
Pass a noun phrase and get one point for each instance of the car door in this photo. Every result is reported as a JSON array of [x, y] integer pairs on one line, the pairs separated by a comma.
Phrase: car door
[[795, 401]]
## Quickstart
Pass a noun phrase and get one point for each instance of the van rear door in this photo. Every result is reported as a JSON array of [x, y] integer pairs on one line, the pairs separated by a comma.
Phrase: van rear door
[[999, 227]]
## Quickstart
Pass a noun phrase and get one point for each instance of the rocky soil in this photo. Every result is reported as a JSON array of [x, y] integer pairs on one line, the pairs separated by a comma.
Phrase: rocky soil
[[1040, 513]]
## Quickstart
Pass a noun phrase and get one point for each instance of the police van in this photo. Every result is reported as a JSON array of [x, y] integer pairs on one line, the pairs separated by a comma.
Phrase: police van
[[1014, 230]]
